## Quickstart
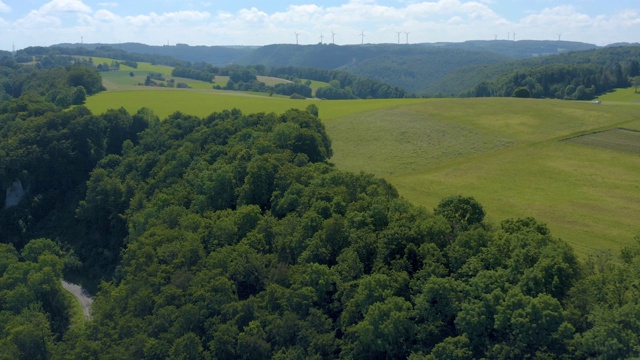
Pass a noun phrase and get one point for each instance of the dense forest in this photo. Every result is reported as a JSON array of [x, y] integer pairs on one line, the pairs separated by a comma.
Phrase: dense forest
[[415, 71], [53, 79], [577, 75], [232, 236]]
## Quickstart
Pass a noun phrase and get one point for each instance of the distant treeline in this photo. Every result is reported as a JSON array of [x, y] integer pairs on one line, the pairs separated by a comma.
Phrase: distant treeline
[[574, 76], [351, 86], [53, 79], [101, 51]]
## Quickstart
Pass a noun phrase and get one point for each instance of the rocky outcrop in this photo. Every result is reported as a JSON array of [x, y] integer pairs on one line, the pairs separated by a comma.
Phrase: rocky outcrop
[[14, 194]]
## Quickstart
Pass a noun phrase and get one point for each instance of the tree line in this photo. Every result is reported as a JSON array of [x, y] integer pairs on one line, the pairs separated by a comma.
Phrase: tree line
[[575, 76], [104, 51], [57, 80]]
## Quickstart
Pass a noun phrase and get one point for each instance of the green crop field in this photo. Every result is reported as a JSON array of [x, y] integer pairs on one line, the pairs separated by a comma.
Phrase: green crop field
[[508, 153]]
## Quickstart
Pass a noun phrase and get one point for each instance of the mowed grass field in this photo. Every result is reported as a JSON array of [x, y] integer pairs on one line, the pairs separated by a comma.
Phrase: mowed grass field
[[518, 157], [508, 154]]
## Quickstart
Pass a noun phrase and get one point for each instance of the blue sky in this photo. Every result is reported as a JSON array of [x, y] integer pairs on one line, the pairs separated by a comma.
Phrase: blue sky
[[208, 22]]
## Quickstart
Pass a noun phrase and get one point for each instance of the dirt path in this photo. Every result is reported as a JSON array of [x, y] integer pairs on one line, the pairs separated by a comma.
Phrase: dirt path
[[84, 300]]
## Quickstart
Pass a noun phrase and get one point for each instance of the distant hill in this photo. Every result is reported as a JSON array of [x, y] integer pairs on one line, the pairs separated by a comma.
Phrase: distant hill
[[415, 70], [419, 68], [215, 55], [520, 49]]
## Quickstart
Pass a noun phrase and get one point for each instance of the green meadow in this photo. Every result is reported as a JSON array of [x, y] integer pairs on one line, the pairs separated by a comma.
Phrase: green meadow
[[165, 101], [627, 96], [509, 155], [518, 157]]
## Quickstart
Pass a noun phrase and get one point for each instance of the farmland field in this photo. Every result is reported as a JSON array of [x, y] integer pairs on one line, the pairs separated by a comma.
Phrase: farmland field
[[507, 153]]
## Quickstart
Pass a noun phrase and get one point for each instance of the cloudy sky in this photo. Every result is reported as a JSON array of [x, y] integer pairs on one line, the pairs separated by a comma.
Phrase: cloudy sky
[[246, 22]]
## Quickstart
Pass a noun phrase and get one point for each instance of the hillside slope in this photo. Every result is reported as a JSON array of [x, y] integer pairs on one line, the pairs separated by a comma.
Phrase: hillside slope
[[414, 67]]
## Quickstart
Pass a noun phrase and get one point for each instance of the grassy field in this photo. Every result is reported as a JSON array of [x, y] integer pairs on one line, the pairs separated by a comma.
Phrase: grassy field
[[271, 81], [166, 101], [614, 139], [508, 153], [627, 95]]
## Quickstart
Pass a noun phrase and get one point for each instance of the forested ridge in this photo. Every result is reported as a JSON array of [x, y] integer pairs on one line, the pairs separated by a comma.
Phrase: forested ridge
[[233, 236], [423, 69], [547, 69], [579, 75]]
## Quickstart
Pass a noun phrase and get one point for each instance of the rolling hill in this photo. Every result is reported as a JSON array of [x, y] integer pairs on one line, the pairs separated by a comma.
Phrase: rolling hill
[[416, 68]]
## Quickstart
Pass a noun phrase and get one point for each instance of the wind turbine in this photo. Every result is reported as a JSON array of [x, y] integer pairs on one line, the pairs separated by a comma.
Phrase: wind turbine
[[398, 32], [321, 38], [514, 36], [333, 38], [559, 36], [362, 37], [297, 34], [407, 34]]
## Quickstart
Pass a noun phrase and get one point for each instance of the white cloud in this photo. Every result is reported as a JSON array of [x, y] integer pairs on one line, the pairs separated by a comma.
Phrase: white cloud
[[252, 15], [38, 20], [108, 4], [565, 16], [67, 6], [179, 17], [4, 8], [105, 16], [48, 16]]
